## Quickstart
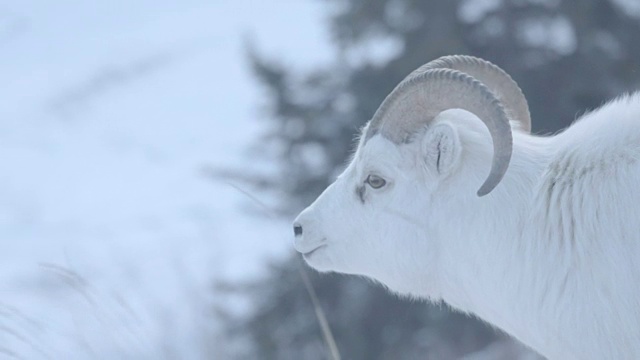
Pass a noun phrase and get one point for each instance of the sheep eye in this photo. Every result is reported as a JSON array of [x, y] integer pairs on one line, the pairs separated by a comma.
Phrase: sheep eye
[[375, 181]]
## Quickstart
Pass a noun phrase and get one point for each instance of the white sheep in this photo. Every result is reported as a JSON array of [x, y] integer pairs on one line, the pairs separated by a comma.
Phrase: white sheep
[[550, 254]]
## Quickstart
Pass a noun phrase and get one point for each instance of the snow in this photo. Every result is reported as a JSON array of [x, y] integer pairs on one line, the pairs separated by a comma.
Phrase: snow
[[556, 34], [630, 7], [111, 235], [472, 11]]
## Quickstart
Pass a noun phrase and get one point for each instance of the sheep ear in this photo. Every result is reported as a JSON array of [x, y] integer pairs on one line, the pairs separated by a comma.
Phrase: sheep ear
[[441, 149]]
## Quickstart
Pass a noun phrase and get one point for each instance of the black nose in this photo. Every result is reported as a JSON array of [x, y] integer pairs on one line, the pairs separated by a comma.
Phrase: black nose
[[297, 229]]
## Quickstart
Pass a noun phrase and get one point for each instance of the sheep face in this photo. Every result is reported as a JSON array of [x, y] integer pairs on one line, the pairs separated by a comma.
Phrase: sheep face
[[375, 219]]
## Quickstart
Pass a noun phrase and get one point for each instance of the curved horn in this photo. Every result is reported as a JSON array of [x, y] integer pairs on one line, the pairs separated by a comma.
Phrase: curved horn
[[419, 98], [496, 79]]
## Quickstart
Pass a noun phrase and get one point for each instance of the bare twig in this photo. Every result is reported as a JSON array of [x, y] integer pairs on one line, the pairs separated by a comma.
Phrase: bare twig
[[322, 319]]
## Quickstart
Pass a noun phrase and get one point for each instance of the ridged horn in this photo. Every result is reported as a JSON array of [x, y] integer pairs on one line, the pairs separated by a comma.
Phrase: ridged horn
[[496, 79], [421, 96]]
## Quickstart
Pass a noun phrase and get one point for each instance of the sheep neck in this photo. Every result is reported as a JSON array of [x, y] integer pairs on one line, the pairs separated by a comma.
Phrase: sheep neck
[[493, 277]]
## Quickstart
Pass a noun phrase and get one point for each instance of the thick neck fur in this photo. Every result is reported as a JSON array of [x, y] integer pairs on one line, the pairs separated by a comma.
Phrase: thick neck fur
[[493, 280], [556, 267]]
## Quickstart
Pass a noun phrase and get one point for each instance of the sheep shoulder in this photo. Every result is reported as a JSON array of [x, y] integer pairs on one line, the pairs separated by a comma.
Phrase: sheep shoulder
[[601, 141], [587, 209], [590, 189]]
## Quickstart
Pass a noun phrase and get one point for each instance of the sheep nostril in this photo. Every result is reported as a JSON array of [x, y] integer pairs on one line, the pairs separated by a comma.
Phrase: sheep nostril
[[297, 229]]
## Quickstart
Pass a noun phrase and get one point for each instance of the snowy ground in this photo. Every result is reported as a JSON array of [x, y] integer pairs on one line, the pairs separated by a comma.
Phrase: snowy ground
[[110, 235]]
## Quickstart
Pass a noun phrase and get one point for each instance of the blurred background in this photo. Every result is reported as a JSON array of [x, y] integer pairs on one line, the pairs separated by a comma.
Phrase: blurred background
[[154, 152]]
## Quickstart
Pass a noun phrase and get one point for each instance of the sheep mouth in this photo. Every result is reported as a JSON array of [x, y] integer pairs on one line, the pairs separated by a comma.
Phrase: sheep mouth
[[309, 253]]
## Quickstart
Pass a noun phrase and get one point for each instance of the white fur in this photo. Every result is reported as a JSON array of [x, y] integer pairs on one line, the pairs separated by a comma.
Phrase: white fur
[[551, 255]]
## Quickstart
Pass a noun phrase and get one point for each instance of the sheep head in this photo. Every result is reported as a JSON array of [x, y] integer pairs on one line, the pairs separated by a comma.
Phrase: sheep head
[[379, 213]]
